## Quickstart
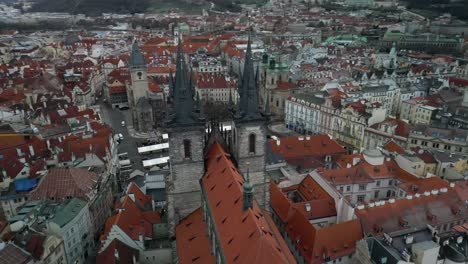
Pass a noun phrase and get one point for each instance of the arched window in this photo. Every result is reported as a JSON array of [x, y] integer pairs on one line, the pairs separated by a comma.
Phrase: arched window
[[187, 149], [252, 143]]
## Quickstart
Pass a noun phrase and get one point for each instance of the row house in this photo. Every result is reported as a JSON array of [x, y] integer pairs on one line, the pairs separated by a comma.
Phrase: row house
[[216, 88], [451, 140], [349, 125], [364, 178], [310, 114], [419, 110], [391, 129], [386, 95], [115, 89]]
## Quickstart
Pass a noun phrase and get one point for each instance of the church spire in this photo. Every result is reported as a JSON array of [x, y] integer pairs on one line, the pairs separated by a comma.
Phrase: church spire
[[248, 89], [137, 60], [183, 108]]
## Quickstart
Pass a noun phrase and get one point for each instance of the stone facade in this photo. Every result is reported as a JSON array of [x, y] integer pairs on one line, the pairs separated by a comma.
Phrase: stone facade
[[254, 161], [183, 187]]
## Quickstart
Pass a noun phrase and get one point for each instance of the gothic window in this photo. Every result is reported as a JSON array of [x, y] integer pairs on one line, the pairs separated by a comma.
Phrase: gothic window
[[252, 143], [187, 149]]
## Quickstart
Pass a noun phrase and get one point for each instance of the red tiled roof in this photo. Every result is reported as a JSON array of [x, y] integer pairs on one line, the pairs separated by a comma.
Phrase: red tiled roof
[[246, 236], [143, 201], [413, 213], [329, 242], [423, 185], [193, 243], [311, 194], [461, 188], [132, 220], [285, 85], [213, 80], [125, 254], [299, 152], [12, 254], [392, 146], [35, 246], [117, 89], [364, 172], [61, 183]]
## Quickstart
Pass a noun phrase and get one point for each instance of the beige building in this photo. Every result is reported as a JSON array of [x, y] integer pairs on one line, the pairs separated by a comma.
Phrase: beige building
[[215, 88], [416, 111], [451, 140]]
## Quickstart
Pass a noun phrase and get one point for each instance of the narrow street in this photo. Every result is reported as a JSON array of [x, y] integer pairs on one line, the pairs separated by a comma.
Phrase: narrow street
[[114, 118]]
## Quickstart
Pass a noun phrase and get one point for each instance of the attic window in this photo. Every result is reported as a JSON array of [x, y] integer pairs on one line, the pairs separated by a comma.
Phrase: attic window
[[223, 170], [236, 257], [192, 238], [251, 234], [195, 259], [229, 186], [212, 188], [218, 203], [237, 200], [218, 158], [224, 220], [230, 241], [188, 224]]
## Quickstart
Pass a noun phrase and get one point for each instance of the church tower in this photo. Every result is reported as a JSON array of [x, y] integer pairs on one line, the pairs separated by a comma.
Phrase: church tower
[[248, 141], [186, 127], [137, 91], [138, 73]]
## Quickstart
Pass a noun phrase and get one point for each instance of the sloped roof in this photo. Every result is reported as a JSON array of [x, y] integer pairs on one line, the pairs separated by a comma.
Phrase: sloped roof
[[132, 220], [392, 146], [246, 236], [61, 183], [413, 213], [299, 152], [12, 254], [142, 200], [193, 243], [125, 254]]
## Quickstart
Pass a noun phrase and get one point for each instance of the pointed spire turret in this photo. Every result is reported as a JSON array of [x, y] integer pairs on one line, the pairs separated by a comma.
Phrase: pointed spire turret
[[248, 107], [183, 108], [137, 60]]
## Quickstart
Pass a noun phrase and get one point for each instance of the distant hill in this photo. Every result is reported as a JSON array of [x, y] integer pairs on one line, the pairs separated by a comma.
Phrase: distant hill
[[97, 7], [456, 8], [91, 7]]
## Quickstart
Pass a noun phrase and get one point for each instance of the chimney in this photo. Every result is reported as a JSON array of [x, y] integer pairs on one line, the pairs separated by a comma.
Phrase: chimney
[[247, 191]]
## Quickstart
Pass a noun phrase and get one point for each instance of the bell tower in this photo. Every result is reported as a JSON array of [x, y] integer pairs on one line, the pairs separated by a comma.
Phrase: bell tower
[[186, 128], [248, 141], [138, 74]]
